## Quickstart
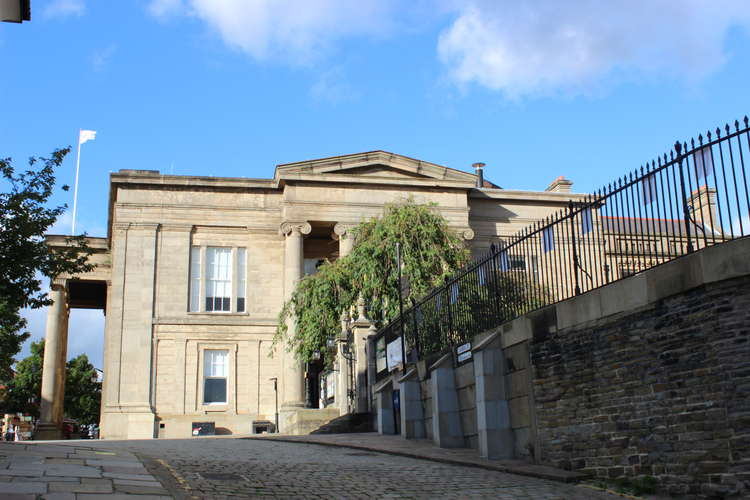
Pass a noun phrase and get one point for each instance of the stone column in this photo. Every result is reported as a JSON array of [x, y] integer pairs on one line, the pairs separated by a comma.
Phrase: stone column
[[293, 271], [494, 432], [58, 412], [384, 408], [360, 333], [342, 233], [342, 367], [412, 413], [446, 419], [50, 421]]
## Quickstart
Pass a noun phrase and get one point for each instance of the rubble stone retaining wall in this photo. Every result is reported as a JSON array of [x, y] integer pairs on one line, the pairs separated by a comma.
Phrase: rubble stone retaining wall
[[662, 390]]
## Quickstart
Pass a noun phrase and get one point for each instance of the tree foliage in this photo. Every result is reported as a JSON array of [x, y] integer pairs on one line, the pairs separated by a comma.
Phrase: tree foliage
[[82, 390], [25, 257], [24, 390], [430, 251]]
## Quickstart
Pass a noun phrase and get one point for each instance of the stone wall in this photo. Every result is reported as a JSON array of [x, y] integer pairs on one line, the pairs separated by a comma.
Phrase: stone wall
[[426, 392], [465, 383], [660, 390], [648, 376]]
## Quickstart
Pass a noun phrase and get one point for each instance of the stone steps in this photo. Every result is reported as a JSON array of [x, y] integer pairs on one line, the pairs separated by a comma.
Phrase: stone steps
[[351, 422]]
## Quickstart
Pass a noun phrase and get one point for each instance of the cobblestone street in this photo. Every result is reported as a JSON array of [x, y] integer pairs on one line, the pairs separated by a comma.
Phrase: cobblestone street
[[234, 468]]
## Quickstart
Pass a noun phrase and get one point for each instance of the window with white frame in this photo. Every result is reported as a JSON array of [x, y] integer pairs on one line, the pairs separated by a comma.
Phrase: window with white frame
[[215, 373], [218, 279]]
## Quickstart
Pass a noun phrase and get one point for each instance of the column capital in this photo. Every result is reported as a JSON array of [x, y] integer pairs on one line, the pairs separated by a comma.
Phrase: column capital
[[466, 233], [288, 227], [341, 229], [58, 284]]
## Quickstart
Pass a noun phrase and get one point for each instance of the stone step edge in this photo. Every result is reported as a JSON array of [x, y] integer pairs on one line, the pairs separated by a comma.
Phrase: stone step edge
[[530, 470]]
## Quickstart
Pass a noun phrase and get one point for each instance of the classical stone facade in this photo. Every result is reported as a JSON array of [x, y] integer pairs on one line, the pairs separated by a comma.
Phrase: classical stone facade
[[194, 270]]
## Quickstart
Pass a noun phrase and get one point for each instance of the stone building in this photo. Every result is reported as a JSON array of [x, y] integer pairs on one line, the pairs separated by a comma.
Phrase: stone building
[[193, 272]]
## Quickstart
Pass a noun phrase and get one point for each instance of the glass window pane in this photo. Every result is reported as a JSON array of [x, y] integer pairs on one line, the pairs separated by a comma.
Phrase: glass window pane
[[215, 390], [219, 278], [215, 363]]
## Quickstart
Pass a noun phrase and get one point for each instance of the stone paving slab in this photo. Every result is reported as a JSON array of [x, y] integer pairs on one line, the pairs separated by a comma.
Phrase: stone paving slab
[[72, 471]]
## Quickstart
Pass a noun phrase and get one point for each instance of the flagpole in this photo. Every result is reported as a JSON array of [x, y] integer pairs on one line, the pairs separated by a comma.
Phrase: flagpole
[[75, 188]]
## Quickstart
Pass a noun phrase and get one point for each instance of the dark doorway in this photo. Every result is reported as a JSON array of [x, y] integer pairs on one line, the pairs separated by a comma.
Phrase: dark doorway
[[312, 383]]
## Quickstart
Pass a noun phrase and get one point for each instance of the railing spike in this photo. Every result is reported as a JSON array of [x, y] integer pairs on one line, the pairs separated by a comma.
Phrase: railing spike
[[718, 132], [692, 143], [726, 127], [737, 125], [700, 139], [658, 161], [708, 135], [745, 120]]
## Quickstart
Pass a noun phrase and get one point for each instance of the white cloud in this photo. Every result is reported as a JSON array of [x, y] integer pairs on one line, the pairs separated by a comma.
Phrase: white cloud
[[101, 57], [64, 8], [332, 87], [294, 30], [161, 8], [547, 47]]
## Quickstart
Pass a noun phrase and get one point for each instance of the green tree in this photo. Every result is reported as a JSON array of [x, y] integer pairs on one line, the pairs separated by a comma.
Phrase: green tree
[[25, 258], [430, 251], [83, 392], [24, 390]]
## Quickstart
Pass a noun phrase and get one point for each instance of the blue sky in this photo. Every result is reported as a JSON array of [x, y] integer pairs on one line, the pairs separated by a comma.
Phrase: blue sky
[[586, 89]]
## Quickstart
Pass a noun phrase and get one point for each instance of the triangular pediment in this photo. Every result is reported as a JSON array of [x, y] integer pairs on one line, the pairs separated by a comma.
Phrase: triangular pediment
[[374, 165]]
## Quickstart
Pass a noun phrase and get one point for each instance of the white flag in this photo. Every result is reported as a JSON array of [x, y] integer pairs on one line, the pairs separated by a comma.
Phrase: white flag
[[86, 135]]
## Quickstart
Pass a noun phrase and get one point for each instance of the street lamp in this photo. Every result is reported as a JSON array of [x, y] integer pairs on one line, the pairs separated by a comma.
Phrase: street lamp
[[276, 393], [344, 340]]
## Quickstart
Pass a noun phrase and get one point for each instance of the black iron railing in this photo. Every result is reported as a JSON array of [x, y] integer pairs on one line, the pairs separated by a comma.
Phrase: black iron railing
[[694, 196]]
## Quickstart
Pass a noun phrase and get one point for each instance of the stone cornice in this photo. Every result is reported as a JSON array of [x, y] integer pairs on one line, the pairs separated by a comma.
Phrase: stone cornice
[[351, 179], [379, 206], [178, 228], [188, 206], [529, 196]]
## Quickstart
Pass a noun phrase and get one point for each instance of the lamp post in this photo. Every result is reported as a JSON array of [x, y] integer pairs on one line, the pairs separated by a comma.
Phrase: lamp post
[[344, 340], [276, 393], [401, 306]]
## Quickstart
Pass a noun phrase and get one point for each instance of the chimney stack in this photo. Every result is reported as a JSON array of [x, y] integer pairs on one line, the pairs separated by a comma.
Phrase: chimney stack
[[560, 185], [480, 173]]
